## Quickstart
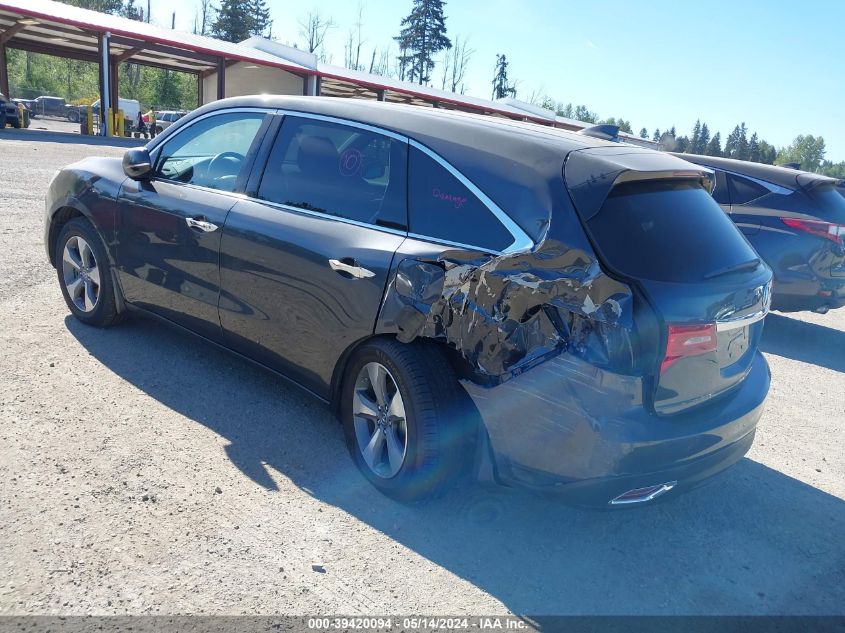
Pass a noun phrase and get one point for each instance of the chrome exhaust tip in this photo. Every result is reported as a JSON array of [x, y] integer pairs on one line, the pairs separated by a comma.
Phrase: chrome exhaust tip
[[822, 310], [642, 495]]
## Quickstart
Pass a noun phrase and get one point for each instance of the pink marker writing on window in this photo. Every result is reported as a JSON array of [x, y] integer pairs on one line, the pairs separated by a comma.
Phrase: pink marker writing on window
[[458, 201]]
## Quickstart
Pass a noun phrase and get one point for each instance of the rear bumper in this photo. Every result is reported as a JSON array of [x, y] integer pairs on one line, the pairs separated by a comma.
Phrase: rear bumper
[[570, 428], [795, 295]]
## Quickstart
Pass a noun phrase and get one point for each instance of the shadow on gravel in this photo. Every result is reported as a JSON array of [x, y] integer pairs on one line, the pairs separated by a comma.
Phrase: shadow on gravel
[[804, 341], [753, 542]]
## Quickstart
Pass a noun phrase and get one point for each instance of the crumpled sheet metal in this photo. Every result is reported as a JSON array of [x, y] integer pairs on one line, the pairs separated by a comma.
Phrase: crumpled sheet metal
[[505, 314]]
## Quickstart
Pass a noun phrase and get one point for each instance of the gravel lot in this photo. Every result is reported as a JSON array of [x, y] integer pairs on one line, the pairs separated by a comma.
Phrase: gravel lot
[[145, 472]]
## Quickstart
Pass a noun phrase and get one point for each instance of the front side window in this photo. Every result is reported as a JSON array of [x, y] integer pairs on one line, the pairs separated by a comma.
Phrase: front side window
[[442, 207], [338, 170], [211, 152]]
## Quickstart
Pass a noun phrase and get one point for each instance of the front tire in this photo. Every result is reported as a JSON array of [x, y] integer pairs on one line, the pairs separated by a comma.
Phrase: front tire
[[85, 274], [406, 418]]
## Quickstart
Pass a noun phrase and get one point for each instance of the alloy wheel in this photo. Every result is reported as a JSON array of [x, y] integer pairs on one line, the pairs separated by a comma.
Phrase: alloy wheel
[[81, 274], [378, 414]]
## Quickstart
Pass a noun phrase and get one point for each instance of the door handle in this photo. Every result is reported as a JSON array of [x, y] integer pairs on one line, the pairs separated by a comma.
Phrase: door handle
[[350, 267], [202, 225]]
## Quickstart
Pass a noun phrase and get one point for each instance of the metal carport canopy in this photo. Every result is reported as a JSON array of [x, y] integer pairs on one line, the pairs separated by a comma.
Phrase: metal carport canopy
[[54, 28]]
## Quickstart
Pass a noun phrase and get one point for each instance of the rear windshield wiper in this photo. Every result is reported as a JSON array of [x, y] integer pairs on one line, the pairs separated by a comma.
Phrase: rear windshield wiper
[[751, 264]]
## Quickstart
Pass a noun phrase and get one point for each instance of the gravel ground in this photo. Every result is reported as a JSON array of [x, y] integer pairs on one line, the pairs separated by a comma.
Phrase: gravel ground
[[145, 472]]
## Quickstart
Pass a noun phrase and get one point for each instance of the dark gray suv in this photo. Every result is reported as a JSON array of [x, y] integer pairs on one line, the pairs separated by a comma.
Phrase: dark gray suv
[[468, 294], [795, 220]]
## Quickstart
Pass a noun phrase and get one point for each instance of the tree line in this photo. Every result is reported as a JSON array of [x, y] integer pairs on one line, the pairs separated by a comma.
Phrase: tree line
[[423, 44], [806, 150]]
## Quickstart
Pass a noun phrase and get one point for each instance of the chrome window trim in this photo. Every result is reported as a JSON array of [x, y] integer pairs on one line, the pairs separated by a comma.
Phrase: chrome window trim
[[156, 151], [773, 188], [521, 240], [326, 216], [346, 122], [230, 194]]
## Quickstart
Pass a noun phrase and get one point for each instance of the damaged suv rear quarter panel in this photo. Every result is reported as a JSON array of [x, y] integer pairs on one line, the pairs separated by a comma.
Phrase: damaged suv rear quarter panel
[[552, 310]]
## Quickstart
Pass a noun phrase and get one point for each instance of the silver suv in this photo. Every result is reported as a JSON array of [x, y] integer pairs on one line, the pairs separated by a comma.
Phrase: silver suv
[[166, 118]]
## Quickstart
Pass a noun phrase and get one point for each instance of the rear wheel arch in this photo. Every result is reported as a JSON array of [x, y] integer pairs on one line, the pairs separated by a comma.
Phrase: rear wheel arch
[[449, 358]]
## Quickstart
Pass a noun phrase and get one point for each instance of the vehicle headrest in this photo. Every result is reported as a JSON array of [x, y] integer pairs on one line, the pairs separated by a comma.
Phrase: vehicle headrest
[[317, 156]]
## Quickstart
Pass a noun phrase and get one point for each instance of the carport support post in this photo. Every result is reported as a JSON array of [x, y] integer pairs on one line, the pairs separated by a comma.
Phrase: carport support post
[[200, 81], [4, 72], [221, 78], [105, 92], [114, 98]]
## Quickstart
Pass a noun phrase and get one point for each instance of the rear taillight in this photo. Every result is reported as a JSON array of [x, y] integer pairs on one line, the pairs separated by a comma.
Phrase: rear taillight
[[684, 341], [832, 232]]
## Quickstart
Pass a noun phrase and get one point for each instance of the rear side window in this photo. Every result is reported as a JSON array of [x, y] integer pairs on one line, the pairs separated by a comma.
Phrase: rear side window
[[744, 190], [339, 170], [667, 231], [720, 192], [443, 208]]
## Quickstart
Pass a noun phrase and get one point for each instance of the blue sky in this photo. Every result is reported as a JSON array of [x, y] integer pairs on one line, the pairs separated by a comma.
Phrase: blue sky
[[777, 65]]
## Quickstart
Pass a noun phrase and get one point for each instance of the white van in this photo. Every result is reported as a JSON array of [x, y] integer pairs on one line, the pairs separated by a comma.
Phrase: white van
[[130, 108]]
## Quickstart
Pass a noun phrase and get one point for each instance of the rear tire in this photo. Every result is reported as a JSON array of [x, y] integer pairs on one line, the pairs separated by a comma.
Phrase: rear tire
[[436, 430], [85, 275]]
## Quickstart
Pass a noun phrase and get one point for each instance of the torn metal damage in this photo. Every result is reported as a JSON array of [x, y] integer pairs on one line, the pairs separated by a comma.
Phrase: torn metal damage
[[505, 314]]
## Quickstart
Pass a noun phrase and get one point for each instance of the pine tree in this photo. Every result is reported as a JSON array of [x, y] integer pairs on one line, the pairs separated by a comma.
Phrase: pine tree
[[696, 137], [703, 139], [260, 22], [233, 21], [682, 144], [754, 149], [731, 144], [584, 114], [501, 85], [672, 132], [768, 153], [643, 133], [714, 147], [103, 6], [423, 35], [742, 143], [656, 136]]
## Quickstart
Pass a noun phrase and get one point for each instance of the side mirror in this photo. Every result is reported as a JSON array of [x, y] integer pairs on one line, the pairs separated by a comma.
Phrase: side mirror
[[137, 164]]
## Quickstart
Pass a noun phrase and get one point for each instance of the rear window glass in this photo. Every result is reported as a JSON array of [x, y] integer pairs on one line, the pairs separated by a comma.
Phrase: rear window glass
[[831, 201], [667, 231]]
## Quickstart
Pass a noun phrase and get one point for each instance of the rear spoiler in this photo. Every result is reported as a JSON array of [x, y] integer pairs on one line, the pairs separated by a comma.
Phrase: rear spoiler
[[591, 174], [809, 181], [604, 131]]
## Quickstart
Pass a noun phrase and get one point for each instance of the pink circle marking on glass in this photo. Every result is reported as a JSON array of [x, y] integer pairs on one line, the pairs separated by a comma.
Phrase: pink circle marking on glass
[[351, 161]]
